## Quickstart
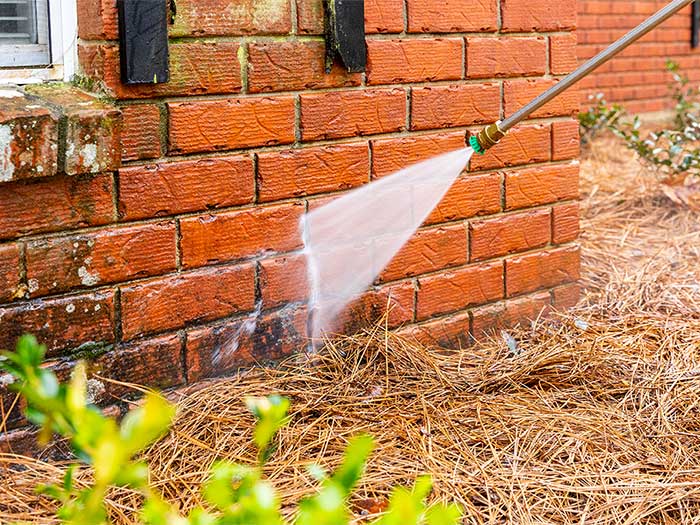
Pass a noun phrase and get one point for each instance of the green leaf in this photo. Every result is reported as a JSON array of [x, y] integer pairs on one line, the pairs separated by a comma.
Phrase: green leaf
[[76, 394], [30, 351], [68, 479], [317, 472], [134, 475], [48, 384], [52, 491], [218, 491], [199, 516], [144, 425], [444, 515], [356, 455], [271, 413]]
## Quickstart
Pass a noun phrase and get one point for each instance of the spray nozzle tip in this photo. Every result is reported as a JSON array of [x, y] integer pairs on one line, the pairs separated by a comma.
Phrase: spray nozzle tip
[[476, 146]]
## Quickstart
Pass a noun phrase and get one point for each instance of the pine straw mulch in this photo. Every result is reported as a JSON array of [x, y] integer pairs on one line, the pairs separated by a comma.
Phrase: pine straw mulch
[[595, 418]]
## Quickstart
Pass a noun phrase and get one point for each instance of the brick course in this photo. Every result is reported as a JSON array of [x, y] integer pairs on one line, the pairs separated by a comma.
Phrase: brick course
[[173, 251]]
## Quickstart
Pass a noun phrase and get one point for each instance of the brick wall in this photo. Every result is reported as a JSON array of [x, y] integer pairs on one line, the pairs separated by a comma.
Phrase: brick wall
[[149, 268], [637, 78]]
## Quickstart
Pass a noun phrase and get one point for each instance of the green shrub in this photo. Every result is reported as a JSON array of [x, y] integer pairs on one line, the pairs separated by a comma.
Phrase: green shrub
[[236, 494], [599, 116], [674, 151], [687, 98]]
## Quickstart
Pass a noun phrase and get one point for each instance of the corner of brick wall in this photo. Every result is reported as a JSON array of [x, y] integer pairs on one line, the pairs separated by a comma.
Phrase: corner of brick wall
[[149, 270]]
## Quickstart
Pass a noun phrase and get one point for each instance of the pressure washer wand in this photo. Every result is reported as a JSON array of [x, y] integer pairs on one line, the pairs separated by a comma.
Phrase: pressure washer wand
[[491, 135]]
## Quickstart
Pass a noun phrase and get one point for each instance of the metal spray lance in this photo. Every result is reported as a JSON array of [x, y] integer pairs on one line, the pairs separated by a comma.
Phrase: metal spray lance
[[492, 134]]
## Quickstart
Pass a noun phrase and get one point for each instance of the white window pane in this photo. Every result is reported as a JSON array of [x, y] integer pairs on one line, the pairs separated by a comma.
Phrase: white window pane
[[24, 32]]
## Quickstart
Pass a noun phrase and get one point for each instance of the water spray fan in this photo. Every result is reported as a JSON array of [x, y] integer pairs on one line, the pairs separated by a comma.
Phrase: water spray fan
[[350, 241], [492, 134]]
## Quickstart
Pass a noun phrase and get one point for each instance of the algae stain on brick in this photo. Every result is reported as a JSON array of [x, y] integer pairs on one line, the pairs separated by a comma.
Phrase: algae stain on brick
[[7, 168]]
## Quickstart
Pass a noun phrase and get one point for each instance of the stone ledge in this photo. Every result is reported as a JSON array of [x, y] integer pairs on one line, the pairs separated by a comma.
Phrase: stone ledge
[[55, 128]]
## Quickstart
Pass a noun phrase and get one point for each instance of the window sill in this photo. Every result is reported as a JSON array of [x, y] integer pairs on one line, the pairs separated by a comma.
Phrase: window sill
[[24, 76]]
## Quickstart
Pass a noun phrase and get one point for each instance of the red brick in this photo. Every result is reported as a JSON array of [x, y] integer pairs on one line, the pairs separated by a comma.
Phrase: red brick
[[469, 196], [392, 155], [352, 113], [96, 258], [459, 289], [517, 93], [565, 140], [562, 54], [32, 132], [395, 300], [56, 203], [428, 251], [292, 66], [300, 172], [196, 68], [566, 296], [174, 302], [451, 16], [141, 132], [154, 363], [226, 348], [230, 124], [489, 320], [211, 239], [90, 129], [310, 17], [231, 17], [538, 15], [98, 20], [178, 187], [9, 273], [61, 324], [421, 60], [283, 280], [541, 185], [384, 16], [541, 270], [524, 310], [522, 145], [450, 332], [22, 442], [460, 105], [509, 234], [565, 223], [506, 57]]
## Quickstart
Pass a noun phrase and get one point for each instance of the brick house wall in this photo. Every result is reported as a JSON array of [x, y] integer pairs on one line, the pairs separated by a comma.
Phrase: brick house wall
[[637, 78], [147, 268]]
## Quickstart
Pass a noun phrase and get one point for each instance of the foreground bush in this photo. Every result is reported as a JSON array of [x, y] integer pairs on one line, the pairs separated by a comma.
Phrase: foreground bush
[[237, 494]]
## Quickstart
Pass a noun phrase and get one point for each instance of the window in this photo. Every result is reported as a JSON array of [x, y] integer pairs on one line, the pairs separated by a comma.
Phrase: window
[[24, 33], [37, 40]]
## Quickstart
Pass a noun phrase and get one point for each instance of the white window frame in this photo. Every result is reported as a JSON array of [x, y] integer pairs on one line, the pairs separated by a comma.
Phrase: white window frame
[[63, 35]]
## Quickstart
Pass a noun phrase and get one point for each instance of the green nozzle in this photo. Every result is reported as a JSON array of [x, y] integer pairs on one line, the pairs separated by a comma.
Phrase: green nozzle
[[474, 143], [486, 138]]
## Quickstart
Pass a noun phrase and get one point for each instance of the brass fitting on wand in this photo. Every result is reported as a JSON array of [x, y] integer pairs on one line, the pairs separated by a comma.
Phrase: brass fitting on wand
[[486, 138]]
